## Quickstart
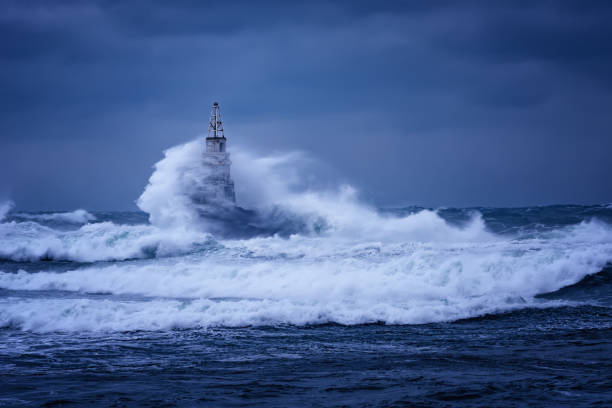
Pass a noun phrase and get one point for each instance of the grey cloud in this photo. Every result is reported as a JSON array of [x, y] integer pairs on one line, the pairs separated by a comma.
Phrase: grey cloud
[[501, 103]]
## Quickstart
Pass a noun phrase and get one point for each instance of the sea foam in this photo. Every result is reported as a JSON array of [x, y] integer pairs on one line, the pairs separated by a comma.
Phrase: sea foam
[[349, 265], [309, 280], [102, 241], [79, 216]]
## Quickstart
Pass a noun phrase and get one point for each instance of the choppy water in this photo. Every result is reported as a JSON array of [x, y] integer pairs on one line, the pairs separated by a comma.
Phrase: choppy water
[[308, 298], [400, 307]]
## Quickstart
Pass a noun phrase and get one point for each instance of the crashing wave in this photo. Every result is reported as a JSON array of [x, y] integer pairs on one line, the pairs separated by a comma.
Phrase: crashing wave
[[70, 315], [79, 216], [298, 255], [102, 241], [311, 280]]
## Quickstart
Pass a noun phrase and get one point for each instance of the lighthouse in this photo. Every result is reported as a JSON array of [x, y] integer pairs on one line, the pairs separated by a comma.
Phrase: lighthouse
[[218, 185]]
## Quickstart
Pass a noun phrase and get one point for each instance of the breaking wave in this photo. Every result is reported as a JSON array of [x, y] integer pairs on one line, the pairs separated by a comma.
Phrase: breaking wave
[[271, 188], [79, 216], [177, 227], [310, 280], [177, 178], [47, 315], [102, 241], [311, 256]]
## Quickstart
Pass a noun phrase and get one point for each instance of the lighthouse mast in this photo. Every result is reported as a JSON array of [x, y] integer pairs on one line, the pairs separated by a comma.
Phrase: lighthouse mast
[[215, 142]]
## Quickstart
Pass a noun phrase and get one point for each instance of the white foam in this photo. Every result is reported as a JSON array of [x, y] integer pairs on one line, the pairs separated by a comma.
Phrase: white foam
[[69, 315], [272, 182], [361, 267], [305, 280], [103, 241], [79, 216], [177, 178]]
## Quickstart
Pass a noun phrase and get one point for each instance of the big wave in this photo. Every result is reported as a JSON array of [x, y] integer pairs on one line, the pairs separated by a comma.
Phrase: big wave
[[270, 188], [101, 241], [347, 264], [310, 280]]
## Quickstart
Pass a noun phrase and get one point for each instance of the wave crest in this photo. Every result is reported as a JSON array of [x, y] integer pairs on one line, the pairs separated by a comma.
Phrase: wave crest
[[79, 216], [102, 241], [310, 280]]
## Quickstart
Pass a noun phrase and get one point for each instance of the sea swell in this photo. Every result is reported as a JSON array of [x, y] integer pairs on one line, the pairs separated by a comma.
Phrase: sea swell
[[297, 255], [309, 280], [103, 241], [77, 315]]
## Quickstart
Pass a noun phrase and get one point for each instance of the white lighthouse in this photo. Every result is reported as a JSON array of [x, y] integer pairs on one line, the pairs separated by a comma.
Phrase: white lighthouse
[[218, 185]]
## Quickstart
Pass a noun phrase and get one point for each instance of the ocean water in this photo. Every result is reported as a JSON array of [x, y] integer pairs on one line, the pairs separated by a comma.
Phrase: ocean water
[[312, 298], [106, 309]]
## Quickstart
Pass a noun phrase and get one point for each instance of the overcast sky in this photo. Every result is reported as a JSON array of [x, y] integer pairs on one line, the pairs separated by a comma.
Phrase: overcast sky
[[423, 102]]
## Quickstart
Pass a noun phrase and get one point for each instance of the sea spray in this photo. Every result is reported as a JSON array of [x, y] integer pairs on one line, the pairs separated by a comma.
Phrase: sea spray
[[5, 208], [271, 187], [176, 180], [338, 260]]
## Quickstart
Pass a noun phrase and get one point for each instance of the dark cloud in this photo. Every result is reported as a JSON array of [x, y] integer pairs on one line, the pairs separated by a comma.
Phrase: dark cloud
[[436, 103]]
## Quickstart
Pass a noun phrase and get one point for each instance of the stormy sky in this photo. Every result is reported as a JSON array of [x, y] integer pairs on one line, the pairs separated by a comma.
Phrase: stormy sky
[[462, 103]]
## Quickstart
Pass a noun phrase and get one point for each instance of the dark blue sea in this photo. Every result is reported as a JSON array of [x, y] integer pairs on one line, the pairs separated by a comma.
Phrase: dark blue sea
[[478, 307]]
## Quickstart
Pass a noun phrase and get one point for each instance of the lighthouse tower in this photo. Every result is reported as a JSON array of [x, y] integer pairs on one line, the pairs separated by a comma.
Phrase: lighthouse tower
[[218, 185]]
